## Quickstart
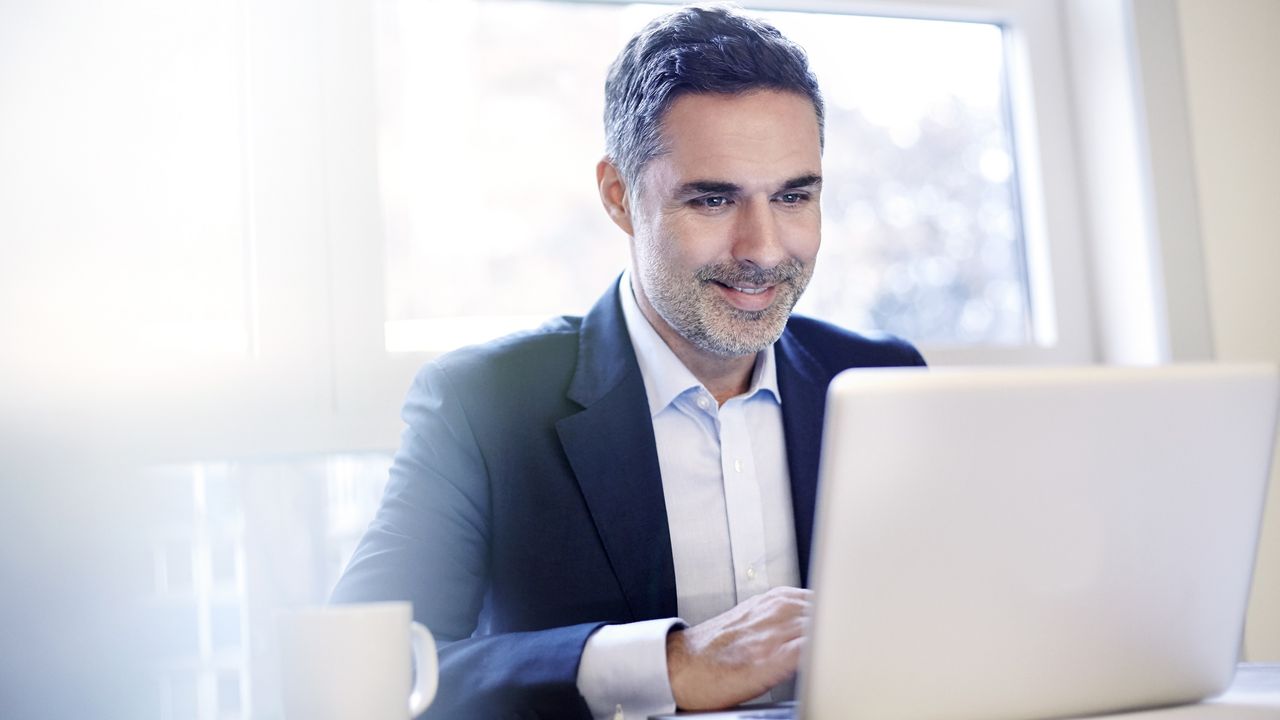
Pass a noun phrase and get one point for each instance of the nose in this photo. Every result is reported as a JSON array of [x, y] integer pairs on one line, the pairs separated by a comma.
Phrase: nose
[[758, 236]]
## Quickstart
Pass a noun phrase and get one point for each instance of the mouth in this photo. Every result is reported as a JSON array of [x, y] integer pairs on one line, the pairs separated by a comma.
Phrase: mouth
[[749, 298]]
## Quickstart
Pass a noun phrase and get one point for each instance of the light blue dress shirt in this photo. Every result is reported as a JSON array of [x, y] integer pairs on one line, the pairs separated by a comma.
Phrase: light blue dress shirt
[[728, 500]]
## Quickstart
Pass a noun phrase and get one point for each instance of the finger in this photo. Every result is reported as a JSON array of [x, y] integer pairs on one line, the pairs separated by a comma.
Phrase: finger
[[788, 591], [783, 626], [790, 604]]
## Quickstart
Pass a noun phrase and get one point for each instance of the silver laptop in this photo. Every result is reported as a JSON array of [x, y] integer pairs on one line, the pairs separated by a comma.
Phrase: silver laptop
[[1033, 543]]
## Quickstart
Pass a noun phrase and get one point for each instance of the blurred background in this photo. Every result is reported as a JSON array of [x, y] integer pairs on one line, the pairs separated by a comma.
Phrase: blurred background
[[231, 230]]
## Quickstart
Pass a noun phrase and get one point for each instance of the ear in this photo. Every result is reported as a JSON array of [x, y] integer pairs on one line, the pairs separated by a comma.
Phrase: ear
[[613, 195]]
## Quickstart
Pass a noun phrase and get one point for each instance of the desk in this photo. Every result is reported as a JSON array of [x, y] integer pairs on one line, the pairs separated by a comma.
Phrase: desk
[[1254, 695]]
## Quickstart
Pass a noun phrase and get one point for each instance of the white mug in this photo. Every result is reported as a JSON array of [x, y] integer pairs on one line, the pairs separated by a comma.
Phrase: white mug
[[351, 662]]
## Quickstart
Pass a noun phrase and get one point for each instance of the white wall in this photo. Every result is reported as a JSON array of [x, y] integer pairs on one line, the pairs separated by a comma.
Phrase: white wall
[[1181, 170], [1232, 69]]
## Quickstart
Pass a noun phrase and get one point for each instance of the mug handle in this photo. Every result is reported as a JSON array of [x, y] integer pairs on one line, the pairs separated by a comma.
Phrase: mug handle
[[425, 676]]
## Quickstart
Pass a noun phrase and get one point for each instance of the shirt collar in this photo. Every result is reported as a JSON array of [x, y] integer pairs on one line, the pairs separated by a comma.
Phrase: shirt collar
[[665, 377]]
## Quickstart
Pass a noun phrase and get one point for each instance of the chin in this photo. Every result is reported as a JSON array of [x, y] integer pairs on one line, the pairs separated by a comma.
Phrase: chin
[[736, 343]]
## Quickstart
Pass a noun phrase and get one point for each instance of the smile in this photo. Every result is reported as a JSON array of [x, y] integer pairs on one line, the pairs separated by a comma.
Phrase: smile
[[748, 299], [744, 289]]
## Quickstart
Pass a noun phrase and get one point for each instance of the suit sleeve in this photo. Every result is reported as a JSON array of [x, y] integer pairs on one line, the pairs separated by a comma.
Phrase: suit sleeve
[[429, 544]]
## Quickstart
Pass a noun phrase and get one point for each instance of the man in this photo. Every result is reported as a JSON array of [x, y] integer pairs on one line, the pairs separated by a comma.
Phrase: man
[[610, 516]]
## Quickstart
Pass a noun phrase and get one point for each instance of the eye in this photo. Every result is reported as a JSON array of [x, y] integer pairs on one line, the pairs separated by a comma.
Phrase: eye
[[793, 198], [712, 201]]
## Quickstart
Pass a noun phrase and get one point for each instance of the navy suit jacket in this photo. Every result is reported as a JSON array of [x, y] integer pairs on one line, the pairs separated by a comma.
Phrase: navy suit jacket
[[525, 504]]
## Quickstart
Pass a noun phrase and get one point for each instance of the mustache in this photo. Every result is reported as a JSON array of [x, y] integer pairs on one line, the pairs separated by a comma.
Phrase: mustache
[[739, 274]]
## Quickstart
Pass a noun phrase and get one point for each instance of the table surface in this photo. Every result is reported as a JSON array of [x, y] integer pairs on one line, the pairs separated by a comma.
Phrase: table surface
[[1254, 695]]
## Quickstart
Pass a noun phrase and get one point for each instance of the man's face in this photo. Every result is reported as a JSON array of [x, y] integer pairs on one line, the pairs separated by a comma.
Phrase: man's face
[[726, 225]]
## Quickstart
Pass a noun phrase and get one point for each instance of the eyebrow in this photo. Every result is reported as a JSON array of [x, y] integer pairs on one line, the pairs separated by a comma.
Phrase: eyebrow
[[702, 187], [814, 181]]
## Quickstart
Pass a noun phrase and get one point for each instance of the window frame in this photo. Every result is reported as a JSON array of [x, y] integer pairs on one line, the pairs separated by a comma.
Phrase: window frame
[[1047, 183]]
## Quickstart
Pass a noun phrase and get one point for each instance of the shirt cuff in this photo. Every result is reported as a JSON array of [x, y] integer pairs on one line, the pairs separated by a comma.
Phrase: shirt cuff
[[623, 673]]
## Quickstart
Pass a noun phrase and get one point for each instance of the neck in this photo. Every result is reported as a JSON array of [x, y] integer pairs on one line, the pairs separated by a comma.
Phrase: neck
[[722, 377]]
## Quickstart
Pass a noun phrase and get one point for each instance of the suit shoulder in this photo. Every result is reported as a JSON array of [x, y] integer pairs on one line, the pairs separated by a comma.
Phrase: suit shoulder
[[542, 354], [838, 348]]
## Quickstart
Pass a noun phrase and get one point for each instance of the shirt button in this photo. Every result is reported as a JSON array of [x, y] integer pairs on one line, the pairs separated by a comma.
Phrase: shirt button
[[751, 573], [702, 403], [618, 714], [737, 466]]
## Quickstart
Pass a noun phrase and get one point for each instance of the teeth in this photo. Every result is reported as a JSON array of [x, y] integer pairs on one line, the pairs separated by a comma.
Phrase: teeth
[[751, 291]]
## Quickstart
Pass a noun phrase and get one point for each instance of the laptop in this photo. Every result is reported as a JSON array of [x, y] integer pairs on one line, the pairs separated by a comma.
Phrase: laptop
[[1010, 544]]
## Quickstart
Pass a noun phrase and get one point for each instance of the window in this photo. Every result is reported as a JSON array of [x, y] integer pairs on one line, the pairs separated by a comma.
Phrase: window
[[492, 222], [232, 542], [360, 199]]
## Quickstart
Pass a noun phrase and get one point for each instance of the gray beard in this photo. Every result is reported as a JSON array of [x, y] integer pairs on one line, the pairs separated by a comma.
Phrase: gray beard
[[694, 309]]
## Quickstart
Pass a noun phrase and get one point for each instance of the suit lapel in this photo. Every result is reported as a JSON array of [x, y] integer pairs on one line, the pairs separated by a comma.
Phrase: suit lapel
[[611, 448], [804, 388]]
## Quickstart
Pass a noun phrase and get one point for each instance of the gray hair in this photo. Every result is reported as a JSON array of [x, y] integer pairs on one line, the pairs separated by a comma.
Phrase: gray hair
[[698, 49]]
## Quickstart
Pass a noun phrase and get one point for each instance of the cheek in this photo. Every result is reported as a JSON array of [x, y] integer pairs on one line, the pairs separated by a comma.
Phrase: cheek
[[805, 237], [659, 250], [691, 243]]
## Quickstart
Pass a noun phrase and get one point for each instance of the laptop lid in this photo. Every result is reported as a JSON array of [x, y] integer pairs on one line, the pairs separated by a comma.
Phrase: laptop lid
[[1023, 543]]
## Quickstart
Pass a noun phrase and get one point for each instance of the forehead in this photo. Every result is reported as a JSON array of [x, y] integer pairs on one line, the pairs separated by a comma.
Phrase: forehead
[[759, 137]]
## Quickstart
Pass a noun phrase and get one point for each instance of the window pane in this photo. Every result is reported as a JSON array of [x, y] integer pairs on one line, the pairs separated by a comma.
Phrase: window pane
[[178, 570], [183, 702], [238, 541], [921, 232], [224, 624], [493, 220], [222, 565], [228, 694]]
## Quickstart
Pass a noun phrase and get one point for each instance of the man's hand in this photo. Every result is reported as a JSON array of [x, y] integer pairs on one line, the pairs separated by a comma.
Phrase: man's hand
[[741, 653]]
